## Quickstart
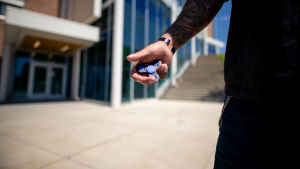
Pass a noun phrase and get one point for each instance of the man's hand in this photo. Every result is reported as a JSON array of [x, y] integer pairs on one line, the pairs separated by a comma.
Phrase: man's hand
[[156, 51], [194, 17]]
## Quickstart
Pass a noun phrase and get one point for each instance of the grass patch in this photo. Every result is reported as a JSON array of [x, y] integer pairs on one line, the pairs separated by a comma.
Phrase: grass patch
[[221, 57]]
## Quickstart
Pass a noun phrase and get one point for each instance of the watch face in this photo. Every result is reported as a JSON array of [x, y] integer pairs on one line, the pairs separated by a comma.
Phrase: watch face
[[151, 69]]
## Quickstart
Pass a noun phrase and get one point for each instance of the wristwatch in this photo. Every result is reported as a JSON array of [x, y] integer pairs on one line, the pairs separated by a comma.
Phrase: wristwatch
[[168, 41]]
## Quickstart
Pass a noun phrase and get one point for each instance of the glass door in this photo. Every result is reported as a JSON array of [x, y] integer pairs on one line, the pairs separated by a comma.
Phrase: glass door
[[57, 80], [38, 80], [47, 80]]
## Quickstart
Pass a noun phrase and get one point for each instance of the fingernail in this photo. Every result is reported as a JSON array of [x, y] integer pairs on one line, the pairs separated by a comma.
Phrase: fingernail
[[131, 55]]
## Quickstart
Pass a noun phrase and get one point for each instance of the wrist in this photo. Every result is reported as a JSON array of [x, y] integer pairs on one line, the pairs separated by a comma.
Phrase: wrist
[[169, 42]]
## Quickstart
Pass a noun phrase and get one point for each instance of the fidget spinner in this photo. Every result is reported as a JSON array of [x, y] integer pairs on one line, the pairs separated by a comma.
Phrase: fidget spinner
[[149, 69]]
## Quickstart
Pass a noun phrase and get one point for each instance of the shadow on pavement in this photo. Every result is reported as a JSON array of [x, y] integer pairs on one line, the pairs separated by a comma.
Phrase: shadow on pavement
[[216, 95]]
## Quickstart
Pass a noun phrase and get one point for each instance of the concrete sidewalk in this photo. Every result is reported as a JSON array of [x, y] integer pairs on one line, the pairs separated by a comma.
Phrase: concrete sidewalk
[[150, 134]]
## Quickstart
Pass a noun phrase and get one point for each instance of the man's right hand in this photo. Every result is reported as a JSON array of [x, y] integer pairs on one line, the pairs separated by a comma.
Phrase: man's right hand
[[156, 51]]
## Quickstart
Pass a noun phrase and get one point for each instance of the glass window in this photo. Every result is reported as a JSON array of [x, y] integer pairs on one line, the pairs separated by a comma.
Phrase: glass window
[[166, 22], [42, 57], [211, 49], [2, 8], [151, 19], [126, 51], [97, 66], [69, 76], [46, 57], [188, 54], [40, 80], [152, 37], [183, 55], [104, 1], [139, 89], [58, 59], [181, 2], [180, 57], [21, 74], [199, 46]]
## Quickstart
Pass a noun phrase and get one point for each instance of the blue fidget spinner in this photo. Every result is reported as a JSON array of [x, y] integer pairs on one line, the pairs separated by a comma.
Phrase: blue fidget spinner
[[149, 69]]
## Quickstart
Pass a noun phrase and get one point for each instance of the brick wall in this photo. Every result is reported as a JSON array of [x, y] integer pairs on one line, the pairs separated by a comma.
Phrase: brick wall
[[49, 7], [210, 29]]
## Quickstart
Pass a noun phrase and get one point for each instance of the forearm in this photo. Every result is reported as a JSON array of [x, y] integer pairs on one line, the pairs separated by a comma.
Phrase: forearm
[[195, 16]]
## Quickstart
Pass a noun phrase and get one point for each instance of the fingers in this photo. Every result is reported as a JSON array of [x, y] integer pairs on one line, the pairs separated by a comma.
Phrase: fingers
[[162, 71], [138, 56], [145, 80], [155, 51], [148, 80]]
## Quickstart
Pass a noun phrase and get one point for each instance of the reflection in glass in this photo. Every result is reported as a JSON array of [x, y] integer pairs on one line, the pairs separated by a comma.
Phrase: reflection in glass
[[57, 81], [199, 46], [139, 91], [152, 37], [180, 57], [97, 67], [126, 51], [165, 22], [151, 19], [188, 51], [181, 2], [39, 80], [183, 55], [211, 49], [21, 76]]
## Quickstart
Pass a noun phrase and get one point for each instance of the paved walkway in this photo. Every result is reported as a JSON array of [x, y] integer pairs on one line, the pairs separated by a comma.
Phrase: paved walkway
[[152, 134]]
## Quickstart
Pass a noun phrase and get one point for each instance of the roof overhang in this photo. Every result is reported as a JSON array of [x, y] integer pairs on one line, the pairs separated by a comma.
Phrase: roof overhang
[[214, 42], [22, 23], [18, 3]]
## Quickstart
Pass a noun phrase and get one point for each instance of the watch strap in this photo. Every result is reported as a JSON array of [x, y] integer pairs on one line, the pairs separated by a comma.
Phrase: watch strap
[[167, 41]]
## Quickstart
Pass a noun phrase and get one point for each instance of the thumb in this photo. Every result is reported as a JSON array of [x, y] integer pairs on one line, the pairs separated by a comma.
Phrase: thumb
[[140, 55]]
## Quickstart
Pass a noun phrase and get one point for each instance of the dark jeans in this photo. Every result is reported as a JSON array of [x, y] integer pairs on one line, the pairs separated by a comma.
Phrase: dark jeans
[[251, 135]]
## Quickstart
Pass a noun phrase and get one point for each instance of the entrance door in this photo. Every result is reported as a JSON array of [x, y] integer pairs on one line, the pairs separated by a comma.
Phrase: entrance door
[[57, 81], [47, 80]]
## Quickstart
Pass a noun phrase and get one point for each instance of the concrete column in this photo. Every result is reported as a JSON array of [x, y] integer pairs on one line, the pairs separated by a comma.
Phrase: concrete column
[[174, 60], [174, 70], [75, 76], [218, 50], [205, 47], [5, 72], [205, 35], [193, 51], [117, 54]]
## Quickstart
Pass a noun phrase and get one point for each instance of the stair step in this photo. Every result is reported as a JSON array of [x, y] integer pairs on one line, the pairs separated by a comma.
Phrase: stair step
[[202, 80]]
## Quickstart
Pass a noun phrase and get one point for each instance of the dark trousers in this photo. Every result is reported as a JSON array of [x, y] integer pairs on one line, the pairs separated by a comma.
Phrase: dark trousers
[[253, 136]]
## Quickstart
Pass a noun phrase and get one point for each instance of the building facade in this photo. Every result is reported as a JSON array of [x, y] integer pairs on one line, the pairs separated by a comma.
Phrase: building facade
[[74, 49]]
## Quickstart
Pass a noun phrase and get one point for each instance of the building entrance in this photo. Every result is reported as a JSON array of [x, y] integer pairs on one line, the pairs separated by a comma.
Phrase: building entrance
[[47, 80]]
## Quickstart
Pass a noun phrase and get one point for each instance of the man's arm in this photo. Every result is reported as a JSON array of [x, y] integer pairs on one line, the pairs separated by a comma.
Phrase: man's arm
[[195, 15]]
